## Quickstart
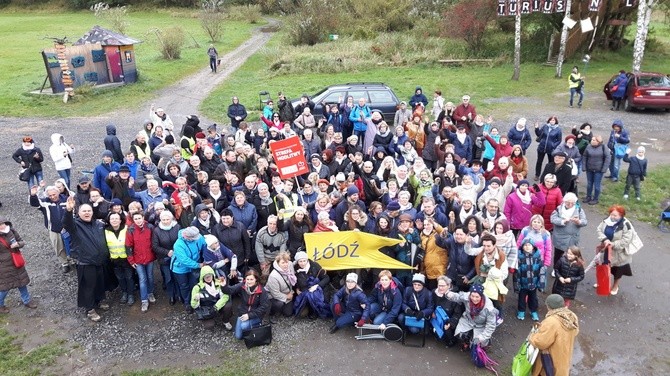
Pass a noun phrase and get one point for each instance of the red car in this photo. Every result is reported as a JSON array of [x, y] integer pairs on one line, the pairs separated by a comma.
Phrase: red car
[[645, 90]]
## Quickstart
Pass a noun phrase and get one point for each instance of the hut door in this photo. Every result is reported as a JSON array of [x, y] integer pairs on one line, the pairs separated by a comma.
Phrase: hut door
[[114, 63]]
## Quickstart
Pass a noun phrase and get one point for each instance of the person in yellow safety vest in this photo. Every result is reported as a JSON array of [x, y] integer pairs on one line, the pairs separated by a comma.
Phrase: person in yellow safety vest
[[286, 200], [139, 147], [187, 143], [576, 85], [115, 236]]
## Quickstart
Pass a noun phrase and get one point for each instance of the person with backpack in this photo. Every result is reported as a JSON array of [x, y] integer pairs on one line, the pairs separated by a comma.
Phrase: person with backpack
[[596, 161], [30, 158]]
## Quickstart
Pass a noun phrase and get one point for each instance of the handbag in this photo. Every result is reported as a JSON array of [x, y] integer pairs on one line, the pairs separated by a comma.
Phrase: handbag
[[17, 257], [258, 336], [522, 364], [414, 322], [24, 174], [441, 318], [547, 364], [603, 273], [635, 244], [620, 150], [205, 312], [614, 88]]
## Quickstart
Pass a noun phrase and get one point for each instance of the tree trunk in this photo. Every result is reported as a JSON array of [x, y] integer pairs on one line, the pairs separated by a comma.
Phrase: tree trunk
[[564, 39], [517, 46], [644, 9]]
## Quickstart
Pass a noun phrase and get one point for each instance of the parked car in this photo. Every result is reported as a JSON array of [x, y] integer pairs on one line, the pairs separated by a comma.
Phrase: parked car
[[378, 96], [644, 90]]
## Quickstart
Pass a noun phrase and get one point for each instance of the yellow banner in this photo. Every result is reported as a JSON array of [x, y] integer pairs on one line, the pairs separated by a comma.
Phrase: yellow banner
[[351, 250]]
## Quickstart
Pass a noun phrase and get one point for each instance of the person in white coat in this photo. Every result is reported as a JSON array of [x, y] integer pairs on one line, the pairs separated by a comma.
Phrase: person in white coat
[[61, 154]]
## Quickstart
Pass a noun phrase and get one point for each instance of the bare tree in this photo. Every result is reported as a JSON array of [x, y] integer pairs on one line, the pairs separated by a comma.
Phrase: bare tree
[[644, 10], [564, 40], [211, 18]]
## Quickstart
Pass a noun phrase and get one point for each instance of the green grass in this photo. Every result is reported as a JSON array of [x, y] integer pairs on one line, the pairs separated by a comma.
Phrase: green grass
[[16, 361], [481, 82], [653, 190], [22, 69]]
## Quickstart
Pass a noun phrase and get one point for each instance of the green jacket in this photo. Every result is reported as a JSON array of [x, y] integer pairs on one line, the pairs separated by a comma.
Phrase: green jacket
[[199, 289]]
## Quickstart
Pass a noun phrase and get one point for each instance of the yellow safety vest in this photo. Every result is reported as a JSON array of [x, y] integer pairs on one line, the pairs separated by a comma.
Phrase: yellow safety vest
[[186, 153], [141, 153], [116, 246], [577, 77]]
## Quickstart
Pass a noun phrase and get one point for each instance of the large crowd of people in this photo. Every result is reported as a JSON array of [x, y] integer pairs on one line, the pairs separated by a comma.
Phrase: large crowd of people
[[212, 213]]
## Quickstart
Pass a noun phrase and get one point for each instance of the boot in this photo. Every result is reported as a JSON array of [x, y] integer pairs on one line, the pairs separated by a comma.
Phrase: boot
[[131, 299], [124, 298]]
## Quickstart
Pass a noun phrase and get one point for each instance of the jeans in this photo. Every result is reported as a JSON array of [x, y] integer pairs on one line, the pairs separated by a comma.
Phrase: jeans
[[593, 182], [241, 326], [171, 289], [146, 277], [633, 180], [185, 283], [615, 165], [65, 174], [574, 90], [377, 314], [25, 295], [532, 300], [35, 179], [279, 307], [540, 161], [212, 63]]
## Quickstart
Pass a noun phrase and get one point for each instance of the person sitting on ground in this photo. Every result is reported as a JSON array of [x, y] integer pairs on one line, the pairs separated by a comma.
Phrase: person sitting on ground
[[280, 285], [349, 304], [385, 302], [417, 302], [453, 310], [208, 293], [254, 302], [478, 322], [312, 280]]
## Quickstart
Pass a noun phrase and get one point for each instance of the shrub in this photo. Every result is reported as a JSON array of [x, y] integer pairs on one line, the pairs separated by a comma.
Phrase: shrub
[[170, 41], [246, 13], [468, 20], [380, 15], [211, 18], [116, 16], [312, 23]]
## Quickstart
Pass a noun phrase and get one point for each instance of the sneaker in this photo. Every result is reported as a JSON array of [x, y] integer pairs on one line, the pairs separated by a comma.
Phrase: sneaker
[[614, 180], [625, 197], [93, 315], [553, 274], [638, 198], [579, 105], [595, 285], [4, 309], [228, 326], [131, 300], [521, 315], [499, 321], [593, 202], [65, 267], [152, 298], [124, 298], [31, 304], [535, 316], [145, 305], [104, 306]]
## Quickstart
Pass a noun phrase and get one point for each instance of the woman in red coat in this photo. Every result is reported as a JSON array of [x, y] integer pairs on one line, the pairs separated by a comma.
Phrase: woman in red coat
[[553, 199]]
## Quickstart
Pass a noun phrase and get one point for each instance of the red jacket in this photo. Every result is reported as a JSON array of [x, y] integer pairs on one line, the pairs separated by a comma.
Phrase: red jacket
[[553, 198], [138, 244]]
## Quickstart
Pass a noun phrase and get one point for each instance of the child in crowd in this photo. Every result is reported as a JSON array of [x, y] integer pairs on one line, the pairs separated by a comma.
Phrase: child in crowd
[[569, 272], [637, 170], [527, 279]]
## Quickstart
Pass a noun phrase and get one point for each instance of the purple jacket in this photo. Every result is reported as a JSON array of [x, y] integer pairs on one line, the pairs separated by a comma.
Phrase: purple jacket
[[519, 213]]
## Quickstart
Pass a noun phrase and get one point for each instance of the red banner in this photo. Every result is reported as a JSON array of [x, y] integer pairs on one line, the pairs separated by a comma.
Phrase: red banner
[[289, 157]]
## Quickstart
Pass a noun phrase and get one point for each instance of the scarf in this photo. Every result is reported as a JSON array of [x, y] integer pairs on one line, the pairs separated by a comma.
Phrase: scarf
[[215, 196], [27, 148], [566, 213], [5, 231], [288, 275], [161, 117], [611, 227], [406, 207], [146, 168], [305, 269], [326, 208], [475, 309], [168, 227], [640, 158], [525, 198], [265, 201], [461, 137], [211, 289], [205, 222], [464, 214]]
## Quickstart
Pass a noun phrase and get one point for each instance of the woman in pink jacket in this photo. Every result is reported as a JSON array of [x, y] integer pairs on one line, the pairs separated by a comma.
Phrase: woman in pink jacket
[[518, 206], [540, 237]]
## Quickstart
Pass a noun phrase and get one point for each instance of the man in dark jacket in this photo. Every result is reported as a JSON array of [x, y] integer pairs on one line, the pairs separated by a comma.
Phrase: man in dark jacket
[[120, 184], [233, 235], [417, 98], [286, 111], [113, 144], [562, 170], [461, 267], [89, 248], [236, 113]]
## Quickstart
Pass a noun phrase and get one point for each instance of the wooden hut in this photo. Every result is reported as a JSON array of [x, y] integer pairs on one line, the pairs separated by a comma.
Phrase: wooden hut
[[101, 56]]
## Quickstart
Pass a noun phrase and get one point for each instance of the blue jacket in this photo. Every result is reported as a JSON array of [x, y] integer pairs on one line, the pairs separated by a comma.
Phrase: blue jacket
[[423, 297], [418, 98], [527, 276], [355, 117], [352, 301], [637, 167], [622, 81], [246, 214], [100, 174], [460, 263], [624, 137], [390, 301], [462, 149], [549, 138], [187, 254], [517, 137], [53, 211], [133, 168]]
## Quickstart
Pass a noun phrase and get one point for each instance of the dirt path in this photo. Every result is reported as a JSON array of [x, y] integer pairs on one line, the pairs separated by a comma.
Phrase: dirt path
[[619, 335]]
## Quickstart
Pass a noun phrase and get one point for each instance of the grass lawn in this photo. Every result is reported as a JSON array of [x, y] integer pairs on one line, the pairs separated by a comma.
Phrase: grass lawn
[[22, 69], [481, 82]]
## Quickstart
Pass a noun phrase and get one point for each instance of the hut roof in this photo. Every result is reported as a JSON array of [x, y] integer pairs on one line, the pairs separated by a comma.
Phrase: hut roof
[[105, 37]]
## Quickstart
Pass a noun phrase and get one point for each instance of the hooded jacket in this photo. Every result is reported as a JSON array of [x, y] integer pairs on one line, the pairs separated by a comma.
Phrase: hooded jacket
[[113, 144], [352, 301], [187, 254], [139, 245], [58, 150], [200, 295], [557, 336], [549, 137], [389, 300], [417, 98], [87, 240], [623, 136], [520, 137]]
